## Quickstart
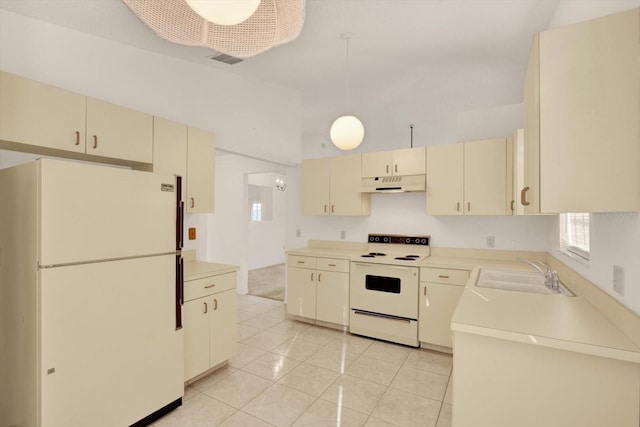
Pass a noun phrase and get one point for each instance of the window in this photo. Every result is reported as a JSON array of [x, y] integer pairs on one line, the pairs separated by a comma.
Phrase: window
[[574, 234], [256, 211]]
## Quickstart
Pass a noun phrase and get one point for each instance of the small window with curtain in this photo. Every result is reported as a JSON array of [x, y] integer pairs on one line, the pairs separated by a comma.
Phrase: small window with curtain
[[574, 234]]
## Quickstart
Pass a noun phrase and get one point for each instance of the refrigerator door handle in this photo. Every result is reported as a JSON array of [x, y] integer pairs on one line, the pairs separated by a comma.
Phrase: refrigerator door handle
[[179, 290], [179, 214]]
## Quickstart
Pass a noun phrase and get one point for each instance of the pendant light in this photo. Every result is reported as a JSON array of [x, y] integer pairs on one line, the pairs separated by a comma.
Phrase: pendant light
[[347, 132], [224, 12]]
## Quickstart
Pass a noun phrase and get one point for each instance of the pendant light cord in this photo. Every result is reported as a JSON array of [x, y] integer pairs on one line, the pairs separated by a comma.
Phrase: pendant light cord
[[347, 37]]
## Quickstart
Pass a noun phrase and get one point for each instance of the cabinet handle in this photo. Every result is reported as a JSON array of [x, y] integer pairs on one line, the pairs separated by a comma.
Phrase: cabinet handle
[[332, 265], [512, 207], [469, 206], [426, 299], [301, 262], [210, 286], [387, 168], [312, 277], [332, 210], [77, 138], [395, 167], [192, 202], [458, 207], [325, 208], [215, 304], [319, 277], [206, 308], [523, 196], [442, 276], [95, 141]]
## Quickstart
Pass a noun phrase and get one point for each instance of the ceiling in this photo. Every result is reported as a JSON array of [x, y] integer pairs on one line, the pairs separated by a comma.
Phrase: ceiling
[[409, 60]]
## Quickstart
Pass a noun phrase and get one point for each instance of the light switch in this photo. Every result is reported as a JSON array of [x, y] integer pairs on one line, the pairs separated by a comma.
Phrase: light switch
[[192, 233]]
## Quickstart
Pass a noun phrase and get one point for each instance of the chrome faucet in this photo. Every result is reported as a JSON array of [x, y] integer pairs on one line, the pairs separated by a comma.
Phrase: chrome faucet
[[551, 279]]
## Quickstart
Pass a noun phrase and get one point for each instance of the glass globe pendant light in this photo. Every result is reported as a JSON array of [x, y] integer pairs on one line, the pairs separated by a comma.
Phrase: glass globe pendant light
[[347, 132], [224, 12]]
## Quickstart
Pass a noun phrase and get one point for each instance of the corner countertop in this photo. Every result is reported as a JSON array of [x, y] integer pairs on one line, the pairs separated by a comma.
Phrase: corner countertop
[[564, 323], [198, 269], [331, 249]]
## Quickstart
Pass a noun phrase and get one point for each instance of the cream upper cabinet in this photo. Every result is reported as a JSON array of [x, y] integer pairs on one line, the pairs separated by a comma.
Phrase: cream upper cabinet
[[170, 149], [515, 169], [582, 103], [408, 161], [485, 177], [468, 178], [37, 114], [445, 179], [201, 158], [331, 186], [118, 132]]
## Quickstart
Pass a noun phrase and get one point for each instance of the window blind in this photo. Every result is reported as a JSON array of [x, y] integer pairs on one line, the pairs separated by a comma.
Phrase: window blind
[[574, 233]]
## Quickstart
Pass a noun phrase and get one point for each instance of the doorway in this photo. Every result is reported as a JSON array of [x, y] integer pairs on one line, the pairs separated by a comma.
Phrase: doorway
[[266, 204]]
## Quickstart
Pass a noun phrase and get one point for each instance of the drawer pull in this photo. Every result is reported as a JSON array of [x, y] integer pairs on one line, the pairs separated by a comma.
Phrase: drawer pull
[[442, 276], [210, 286], [301, 262], [332, 265]]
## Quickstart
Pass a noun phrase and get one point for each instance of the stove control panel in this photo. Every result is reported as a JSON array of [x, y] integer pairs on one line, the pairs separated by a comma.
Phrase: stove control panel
[[398, 239]]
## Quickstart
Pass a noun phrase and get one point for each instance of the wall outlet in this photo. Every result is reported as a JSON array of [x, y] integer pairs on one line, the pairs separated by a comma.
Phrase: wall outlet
[[618, 279], [192, 233], [343, 235], [491, 241]]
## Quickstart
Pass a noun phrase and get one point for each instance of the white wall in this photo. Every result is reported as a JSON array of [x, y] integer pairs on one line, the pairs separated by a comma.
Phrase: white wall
[[614, 238], [249, 116]]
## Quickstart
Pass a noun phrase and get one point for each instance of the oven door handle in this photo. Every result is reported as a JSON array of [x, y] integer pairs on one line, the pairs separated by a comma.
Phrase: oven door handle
[[394, 267], [384, 316]]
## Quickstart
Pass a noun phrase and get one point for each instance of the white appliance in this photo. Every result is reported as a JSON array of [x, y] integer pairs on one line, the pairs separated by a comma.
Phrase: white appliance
[[393, 184], [384, 282], [90, 295]]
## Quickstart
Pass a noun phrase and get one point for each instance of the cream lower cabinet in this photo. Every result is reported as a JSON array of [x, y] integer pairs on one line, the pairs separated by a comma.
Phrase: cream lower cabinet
[[318, 288], [408, 161], [331, 186], [210, 323], [190, 153], [440, 291], [468, 178], [581, 127]]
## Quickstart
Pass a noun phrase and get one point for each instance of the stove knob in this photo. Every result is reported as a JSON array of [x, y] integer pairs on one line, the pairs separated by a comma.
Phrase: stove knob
[[371, 238], [377, 239], [424, 241], [385, 239], [417, 242], [407, 240]]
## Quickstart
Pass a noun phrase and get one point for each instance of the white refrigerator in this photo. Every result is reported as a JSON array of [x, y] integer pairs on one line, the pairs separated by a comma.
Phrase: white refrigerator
[[90, 295]]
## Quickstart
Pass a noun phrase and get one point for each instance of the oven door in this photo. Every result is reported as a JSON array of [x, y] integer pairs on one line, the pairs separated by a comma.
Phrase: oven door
[[385, 289]]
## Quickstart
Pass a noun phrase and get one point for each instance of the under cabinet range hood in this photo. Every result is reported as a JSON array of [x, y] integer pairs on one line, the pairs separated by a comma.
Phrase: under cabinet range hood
[[393, 184]]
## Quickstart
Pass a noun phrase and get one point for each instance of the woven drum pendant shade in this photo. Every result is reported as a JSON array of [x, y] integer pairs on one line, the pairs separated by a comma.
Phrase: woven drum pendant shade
[[275, 22]]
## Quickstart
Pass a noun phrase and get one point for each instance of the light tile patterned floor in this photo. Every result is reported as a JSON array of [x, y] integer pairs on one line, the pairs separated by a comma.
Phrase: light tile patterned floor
[[290, 373]]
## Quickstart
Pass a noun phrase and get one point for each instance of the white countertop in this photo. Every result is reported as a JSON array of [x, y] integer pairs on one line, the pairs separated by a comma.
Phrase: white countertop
[[198, 269], [565, 323]]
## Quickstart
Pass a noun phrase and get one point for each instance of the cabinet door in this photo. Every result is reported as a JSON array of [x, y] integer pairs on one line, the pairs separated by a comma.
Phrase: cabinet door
[[301, 292], [346, 178], [196, 318], [316, 179], [170, 149], [37, 114], [409, 161], [517, 177], [529, 193], [445, 179], [485, 177], [201, 159], [589, 109], [118, 132], [437, 304], [332, 303], [224, 321], [377, 164]]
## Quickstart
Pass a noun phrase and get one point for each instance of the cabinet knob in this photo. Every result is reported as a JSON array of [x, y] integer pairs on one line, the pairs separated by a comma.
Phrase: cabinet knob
[[523, 196], [77, 137], [95, 141]]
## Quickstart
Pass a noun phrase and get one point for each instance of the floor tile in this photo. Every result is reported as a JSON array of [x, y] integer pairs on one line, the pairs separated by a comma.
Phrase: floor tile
[[238, 388], [407, 409], [444, 419], [375, 422], [244, 315], [290, 328], [279, 312], [245, 355], [245, 331], [319, 334], [217, 375], [200, 411], [262, 321], [423, 383], [297, 349], [279, 405], [240, 419], [309, 379], [350, 343], [431, 361], [266, 340], [189, 392], [335, 359], [323, 413], [375, 370], [354, 393], [259, 308], [447, 395], [271, 366], [388, 352]]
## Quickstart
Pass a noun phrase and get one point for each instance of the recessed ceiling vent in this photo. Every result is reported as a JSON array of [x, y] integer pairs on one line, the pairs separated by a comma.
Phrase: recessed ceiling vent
[[227, 59]]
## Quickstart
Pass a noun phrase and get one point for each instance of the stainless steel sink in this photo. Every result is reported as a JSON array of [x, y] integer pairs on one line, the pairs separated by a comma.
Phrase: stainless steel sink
[[523, 281]]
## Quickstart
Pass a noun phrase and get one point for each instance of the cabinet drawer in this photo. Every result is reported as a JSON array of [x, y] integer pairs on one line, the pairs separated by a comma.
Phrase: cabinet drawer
[[209, 285], [332, 264], [301, 261], [444, 275]]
